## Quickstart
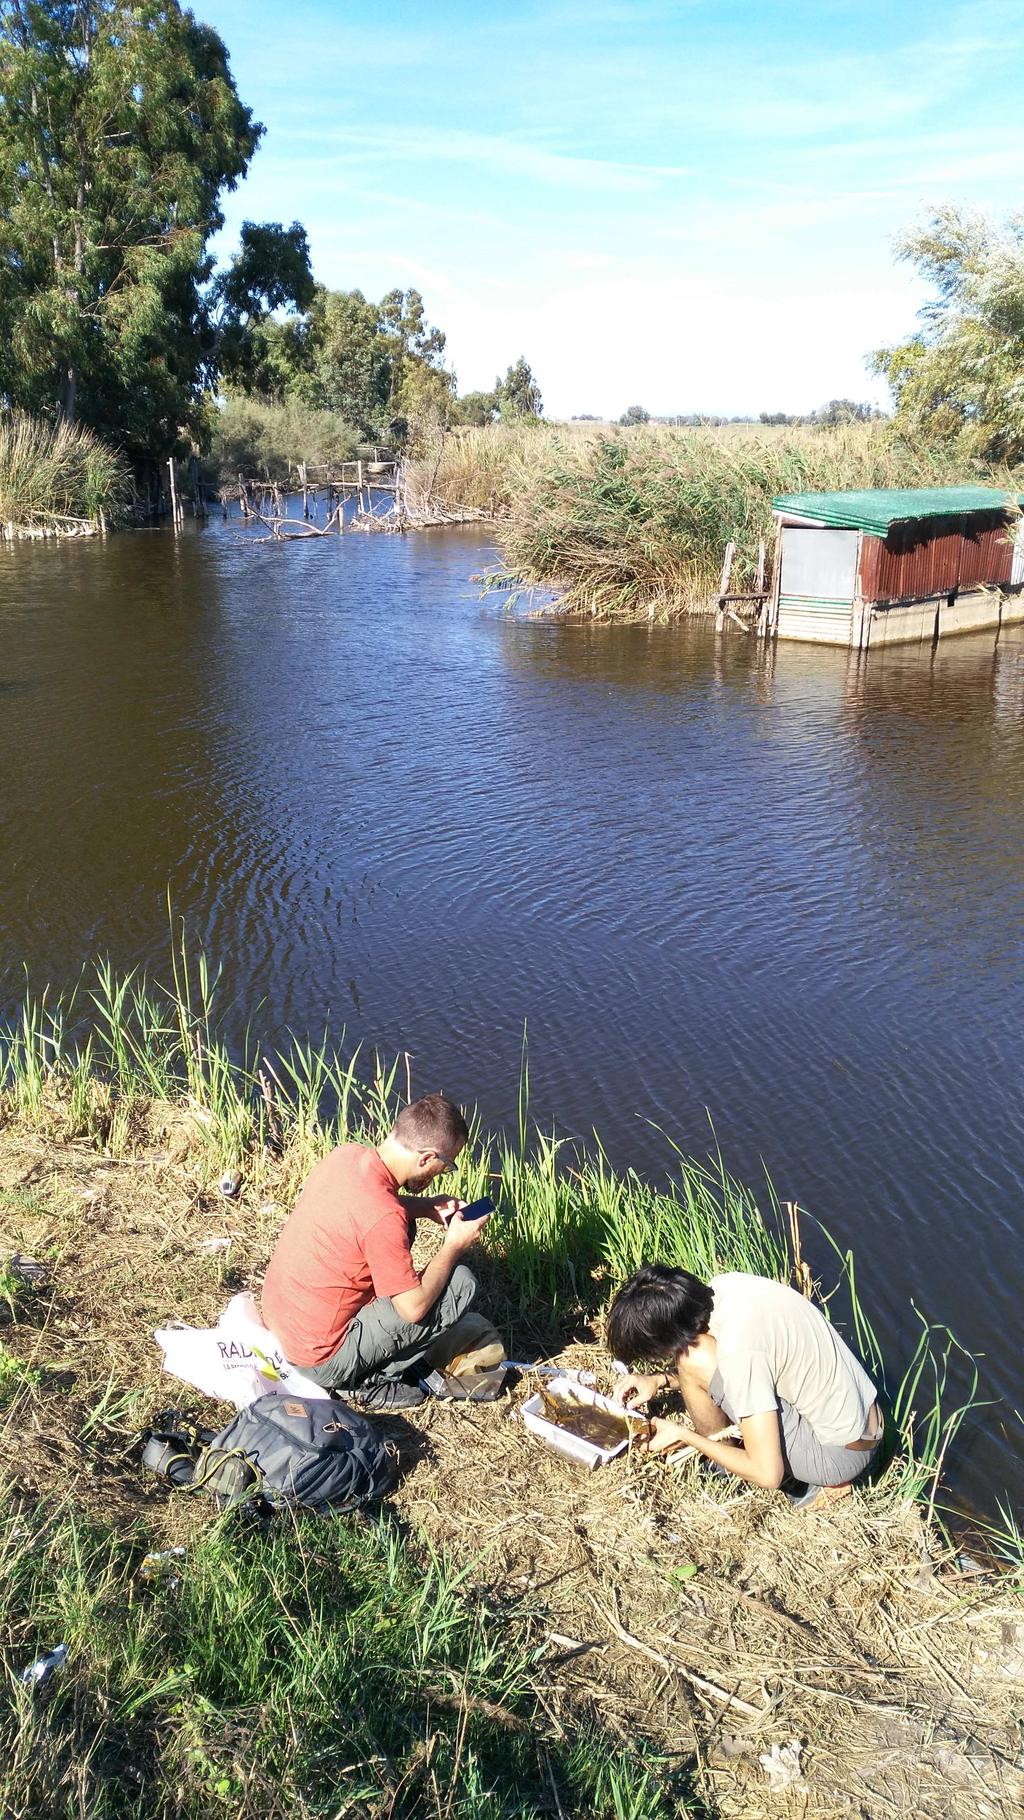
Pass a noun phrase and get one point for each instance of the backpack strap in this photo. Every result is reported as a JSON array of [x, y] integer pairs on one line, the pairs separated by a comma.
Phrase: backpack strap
[[229, 1472]]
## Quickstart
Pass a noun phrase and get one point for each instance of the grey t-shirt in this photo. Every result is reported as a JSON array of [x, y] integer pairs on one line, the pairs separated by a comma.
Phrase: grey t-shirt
[[774, 1343]]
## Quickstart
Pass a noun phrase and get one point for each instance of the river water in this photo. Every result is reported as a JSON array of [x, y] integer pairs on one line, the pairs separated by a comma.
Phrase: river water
[[783, 889]]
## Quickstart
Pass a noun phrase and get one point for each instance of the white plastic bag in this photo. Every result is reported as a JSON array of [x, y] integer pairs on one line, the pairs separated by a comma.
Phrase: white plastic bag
[[781, 1765], [236, 1361]]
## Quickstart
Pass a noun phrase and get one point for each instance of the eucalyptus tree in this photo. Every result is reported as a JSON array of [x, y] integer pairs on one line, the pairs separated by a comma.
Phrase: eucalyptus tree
[[120, 129], [518, 393]]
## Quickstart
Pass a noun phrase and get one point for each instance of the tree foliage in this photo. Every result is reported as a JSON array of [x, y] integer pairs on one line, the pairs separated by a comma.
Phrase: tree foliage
[[120, 130], [378, 365], [518, 393], [253, 437], [120, 127], [477, 408], [962, 375], [634, 414]]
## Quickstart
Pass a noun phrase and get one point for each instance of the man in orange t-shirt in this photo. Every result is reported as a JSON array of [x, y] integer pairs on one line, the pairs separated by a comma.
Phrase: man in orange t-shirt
[[341, 1292]]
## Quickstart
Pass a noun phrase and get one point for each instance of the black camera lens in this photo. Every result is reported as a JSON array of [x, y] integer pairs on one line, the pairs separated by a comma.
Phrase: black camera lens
[[167, 1460]]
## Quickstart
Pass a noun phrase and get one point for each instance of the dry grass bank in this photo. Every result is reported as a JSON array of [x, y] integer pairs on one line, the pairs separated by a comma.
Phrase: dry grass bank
[[712, 1624]]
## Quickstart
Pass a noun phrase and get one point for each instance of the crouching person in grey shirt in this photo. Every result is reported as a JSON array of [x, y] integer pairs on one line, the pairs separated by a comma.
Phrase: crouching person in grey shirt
[[749, 1351]]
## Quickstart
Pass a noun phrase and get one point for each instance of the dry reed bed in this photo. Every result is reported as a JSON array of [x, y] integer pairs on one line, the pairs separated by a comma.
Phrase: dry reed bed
[[850, 1631]]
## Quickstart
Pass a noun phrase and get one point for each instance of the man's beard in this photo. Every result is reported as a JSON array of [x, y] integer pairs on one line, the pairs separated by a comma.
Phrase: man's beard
[[417, 1183]]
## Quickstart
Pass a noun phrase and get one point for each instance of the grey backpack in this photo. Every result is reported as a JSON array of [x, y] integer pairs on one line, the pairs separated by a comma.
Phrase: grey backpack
[[293, 1450]]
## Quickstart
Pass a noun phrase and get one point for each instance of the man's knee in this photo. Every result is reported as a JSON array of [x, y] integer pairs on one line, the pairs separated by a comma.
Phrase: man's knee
[[461, 1291]]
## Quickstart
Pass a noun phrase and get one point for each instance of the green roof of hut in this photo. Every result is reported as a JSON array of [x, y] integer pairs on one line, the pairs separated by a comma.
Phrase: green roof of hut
[[877, 509]]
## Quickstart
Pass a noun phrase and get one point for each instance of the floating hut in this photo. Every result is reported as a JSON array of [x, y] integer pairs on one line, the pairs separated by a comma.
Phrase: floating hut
[[896, 566]]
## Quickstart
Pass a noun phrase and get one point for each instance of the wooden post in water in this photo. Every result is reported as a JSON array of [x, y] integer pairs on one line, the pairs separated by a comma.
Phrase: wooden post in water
[[195, 486], [174, 492], [723, 586], [305, 489], [770, 620]]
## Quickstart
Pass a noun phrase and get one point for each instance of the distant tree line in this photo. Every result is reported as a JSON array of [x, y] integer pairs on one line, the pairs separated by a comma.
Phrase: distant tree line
[[837, 411], [121, 129], [958, 381]]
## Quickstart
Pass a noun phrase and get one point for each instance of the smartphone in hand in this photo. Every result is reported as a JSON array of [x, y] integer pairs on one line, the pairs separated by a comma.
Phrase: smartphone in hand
[[477, 1210]]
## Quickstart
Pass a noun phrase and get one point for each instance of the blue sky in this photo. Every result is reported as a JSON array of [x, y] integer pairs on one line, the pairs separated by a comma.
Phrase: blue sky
[[688, 204]]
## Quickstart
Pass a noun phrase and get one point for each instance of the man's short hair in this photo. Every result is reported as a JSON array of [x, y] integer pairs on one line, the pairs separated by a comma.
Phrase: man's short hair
[[658, 1313], [432, 1123]]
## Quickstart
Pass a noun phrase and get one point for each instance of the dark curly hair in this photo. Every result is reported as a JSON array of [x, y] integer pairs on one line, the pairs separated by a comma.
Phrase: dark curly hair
[[657, 1314]]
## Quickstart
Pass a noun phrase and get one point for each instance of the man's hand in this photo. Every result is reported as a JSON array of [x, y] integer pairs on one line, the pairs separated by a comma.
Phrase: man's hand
[[638, 1388], [758, 1461], [447, 1206], [437, 1207], [665, 1435], [460, 1235]]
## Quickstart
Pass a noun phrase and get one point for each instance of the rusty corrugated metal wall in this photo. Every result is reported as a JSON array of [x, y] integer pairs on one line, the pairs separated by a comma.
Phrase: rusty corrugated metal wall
[[934, 556]]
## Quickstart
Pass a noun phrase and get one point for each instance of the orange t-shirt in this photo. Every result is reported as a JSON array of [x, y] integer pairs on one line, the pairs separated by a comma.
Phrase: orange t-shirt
[[346, 1243]]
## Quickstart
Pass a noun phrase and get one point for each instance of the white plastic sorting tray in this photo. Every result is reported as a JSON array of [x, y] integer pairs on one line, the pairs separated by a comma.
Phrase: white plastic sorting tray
[[559, 1439]]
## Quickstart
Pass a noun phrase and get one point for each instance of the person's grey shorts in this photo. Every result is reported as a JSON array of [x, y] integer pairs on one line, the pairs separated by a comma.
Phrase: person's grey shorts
[[809, 1460]]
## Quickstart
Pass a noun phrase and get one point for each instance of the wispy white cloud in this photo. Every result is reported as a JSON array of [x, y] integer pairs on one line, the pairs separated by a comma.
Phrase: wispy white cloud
[[417, 146]]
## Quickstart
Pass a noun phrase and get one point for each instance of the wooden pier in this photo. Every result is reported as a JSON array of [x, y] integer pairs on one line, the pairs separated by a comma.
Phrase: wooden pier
[[756, 602], [325, 490]]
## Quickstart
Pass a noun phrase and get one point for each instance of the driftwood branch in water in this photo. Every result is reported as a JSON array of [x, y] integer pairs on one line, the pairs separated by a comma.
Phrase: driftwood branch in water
[[299, 528]]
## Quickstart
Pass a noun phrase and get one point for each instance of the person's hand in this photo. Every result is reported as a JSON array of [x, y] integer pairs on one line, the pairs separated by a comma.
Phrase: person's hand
[[460, 1235], [638, 1388], [447, 1206], [665, 1435]]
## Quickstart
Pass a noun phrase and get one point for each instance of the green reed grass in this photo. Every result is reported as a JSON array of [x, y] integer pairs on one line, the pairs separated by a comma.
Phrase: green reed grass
[[314, 1667], [57, 474], [1006, 1539]]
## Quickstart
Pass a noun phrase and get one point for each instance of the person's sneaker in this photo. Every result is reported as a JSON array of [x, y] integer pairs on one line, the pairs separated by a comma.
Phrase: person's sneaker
[[818, 1497], [799, 1495], [385, 1393]]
